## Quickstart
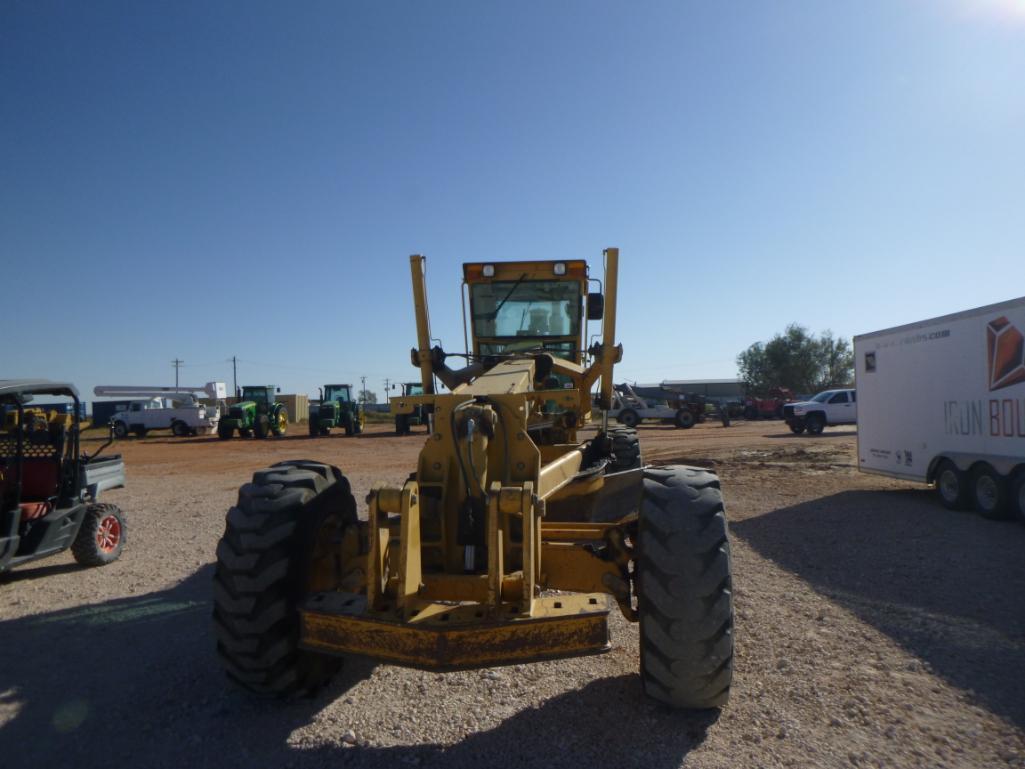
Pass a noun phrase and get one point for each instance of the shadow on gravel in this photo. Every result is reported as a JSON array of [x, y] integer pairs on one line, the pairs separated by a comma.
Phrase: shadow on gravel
[[134, 682], [947, 586], [807, 437]]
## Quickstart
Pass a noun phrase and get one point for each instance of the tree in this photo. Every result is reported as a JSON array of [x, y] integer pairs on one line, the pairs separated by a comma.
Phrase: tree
[[798, 360], [367, 396]]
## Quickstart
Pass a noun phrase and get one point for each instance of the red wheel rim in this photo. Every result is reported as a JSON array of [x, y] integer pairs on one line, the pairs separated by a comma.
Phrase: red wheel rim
[[108, 534]]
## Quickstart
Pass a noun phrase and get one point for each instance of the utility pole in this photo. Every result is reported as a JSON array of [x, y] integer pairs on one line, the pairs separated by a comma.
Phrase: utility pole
[[387, 387], [363, 379], [234, 374], [177, 364]]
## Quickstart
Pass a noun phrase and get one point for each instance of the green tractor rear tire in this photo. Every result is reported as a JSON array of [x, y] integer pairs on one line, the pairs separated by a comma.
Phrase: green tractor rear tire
[[266, 564], [279, 421], [684, 589]]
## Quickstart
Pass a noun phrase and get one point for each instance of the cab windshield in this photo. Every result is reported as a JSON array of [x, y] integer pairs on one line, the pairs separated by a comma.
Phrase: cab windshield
[[258, 394], [526, 308], [823, 397], [337, 394]]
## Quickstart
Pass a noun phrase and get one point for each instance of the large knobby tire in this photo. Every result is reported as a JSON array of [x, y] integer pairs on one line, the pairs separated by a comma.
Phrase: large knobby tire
[[684, 419], [102, 536], [401, 424], [224, 432], [626, 449], [990, 494], [264, 570], [628, 418], [314, 427], [815, 423], [684, 588], [261, 427], [952, 486]]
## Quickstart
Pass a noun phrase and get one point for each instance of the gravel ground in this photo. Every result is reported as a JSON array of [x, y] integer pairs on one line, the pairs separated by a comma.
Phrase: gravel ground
[[874, 629]]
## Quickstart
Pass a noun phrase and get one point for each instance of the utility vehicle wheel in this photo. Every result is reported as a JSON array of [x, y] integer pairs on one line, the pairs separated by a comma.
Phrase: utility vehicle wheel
[[280, 543], [684, 589], [101, 537], [951, 486], [224, 432], [120, 430], [1017, 495], [628, 418], [179, 429], [815, 424], [261, 427], [989, 493], [401, 424], [279, 422], [796, 427], [684, 419], [626, 449]]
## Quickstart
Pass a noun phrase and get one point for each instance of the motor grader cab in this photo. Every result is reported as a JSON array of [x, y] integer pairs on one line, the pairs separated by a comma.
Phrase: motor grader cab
[[511, 535]]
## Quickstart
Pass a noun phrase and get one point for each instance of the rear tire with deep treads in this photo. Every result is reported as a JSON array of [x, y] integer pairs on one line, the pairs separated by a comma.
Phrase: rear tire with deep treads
[[684, 589], [264, 570], [626, 449]]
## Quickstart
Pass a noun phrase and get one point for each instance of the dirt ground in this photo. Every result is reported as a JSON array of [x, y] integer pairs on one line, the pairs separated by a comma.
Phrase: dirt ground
[[874, 629]]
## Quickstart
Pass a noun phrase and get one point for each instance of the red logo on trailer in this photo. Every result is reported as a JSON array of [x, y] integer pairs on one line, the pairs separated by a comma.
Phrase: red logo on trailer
[[1006, 353]]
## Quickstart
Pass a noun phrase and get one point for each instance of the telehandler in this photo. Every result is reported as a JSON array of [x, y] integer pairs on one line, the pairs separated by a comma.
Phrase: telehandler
[[510, 537]]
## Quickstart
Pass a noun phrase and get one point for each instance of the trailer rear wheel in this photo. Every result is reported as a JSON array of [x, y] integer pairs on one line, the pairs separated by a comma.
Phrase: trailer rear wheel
[[989, 493], [951, 486], [1018, 494], [684, 588]]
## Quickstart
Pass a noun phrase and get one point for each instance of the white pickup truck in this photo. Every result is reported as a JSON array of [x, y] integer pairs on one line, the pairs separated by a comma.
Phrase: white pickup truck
[[184, 418], [831, 407]]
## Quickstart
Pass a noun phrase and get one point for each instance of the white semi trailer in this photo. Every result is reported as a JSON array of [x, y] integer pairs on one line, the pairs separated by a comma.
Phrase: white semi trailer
[[943, 401]]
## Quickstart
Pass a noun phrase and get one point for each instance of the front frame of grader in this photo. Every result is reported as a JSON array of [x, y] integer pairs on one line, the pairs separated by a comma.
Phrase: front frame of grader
[[456, 563]]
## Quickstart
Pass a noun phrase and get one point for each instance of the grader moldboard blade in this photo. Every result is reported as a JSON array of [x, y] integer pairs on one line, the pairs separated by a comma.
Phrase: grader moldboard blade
[[508, 540]]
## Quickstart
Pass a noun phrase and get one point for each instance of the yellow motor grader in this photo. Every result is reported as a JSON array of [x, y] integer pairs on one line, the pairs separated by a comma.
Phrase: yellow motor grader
[[513, 534]]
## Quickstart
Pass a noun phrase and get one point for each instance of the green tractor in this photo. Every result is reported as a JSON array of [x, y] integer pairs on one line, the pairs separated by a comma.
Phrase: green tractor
[[337, 409], [256, 413], [404, 418]]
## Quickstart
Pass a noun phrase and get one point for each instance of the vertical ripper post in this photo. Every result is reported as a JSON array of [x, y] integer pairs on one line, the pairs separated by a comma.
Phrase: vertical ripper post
[[423, 324], [608, 353]]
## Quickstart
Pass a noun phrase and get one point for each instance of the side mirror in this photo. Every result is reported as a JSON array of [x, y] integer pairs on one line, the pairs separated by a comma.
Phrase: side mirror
[[595, 306]]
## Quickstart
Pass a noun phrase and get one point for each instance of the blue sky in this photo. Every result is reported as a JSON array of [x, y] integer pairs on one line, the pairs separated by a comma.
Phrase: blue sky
[[201, 180]]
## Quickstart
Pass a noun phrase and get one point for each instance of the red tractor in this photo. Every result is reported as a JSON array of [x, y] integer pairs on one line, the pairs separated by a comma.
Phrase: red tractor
[[770, 407]]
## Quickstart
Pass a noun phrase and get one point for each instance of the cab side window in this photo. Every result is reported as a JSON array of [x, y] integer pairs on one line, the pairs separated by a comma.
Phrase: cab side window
[[839, 398]]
